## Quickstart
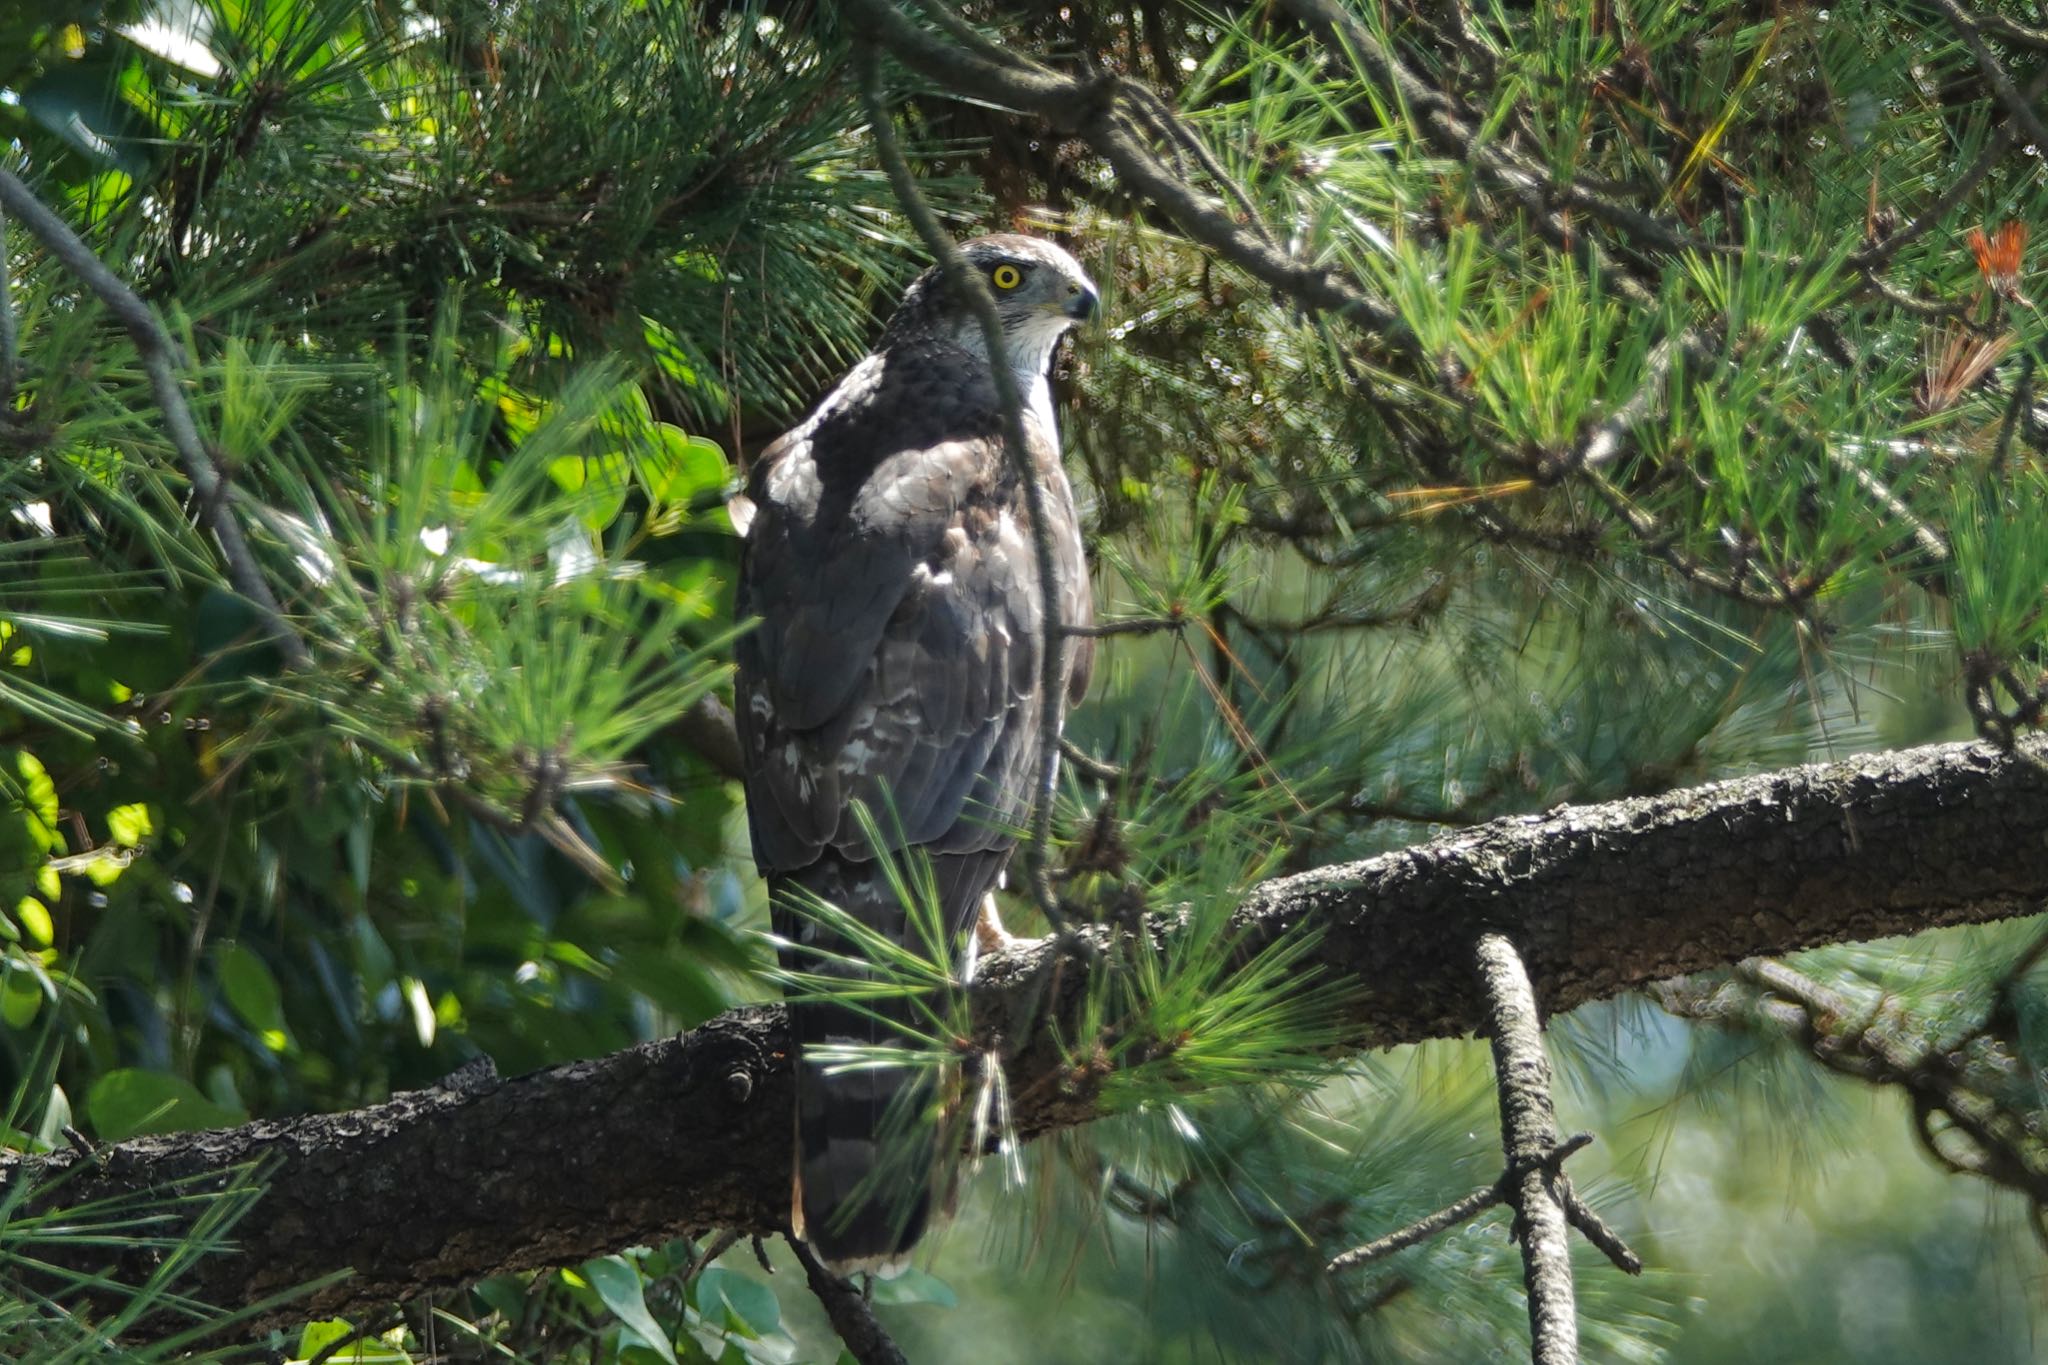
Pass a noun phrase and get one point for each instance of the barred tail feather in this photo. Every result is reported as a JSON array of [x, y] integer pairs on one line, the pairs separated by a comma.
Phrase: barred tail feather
[[867, 1172], [866, 1146]]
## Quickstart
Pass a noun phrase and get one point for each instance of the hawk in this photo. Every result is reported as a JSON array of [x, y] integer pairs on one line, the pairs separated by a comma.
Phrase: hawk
[[890, 563]]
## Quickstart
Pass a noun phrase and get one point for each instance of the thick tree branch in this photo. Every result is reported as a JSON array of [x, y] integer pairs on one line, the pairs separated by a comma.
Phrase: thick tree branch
[[442, 1187]]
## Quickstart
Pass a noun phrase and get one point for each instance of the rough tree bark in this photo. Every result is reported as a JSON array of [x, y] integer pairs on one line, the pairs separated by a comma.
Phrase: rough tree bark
[[1528, 1130], [442, 1187]]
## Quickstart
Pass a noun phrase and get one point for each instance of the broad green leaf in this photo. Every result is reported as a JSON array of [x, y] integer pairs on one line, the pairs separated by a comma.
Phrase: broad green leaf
[[21, 999], [34, 918], [678, 467], [618, 1283], [600, 481], [317, 1336], [38, 802], [912, 1285], [504, 1295], [750, 1306], [252, 993], [130, 1102]]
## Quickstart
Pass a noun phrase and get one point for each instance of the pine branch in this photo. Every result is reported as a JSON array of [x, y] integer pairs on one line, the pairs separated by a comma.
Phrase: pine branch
[[1607, 440], [1119, 117], [2019, 107], [1528, 1134], [1954, 1084], [162, 360], [688, 1134], [1879, 253]]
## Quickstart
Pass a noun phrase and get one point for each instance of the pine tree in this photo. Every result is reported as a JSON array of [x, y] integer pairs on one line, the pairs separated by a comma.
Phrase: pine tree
[[1499, 408]]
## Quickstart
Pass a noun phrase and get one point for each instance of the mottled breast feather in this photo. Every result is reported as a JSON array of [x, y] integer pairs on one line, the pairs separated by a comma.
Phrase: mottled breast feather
[[891, 568]]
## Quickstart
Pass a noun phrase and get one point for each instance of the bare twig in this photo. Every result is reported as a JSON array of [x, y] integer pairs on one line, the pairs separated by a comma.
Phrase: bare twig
[[162, 359], [722, 1243], [1131, 625], [967, 287], [853, 1317], [1576, 1212], [1421, 1230], [1528, 1129], [1595, 1230]]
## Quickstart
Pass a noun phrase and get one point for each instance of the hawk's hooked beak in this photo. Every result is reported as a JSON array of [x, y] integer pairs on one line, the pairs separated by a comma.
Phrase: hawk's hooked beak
[[1082, 303]]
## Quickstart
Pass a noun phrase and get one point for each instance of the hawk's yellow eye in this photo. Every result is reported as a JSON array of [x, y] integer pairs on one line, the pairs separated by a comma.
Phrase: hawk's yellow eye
[[1006, 276]]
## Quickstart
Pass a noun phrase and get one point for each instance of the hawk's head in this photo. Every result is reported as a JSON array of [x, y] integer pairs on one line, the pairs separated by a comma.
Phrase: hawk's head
[[1040, 291]]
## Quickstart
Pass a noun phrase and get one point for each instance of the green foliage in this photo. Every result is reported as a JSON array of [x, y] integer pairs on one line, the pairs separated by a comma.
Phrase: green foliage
[[467, 829], [488, 306], [51, 1314]]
